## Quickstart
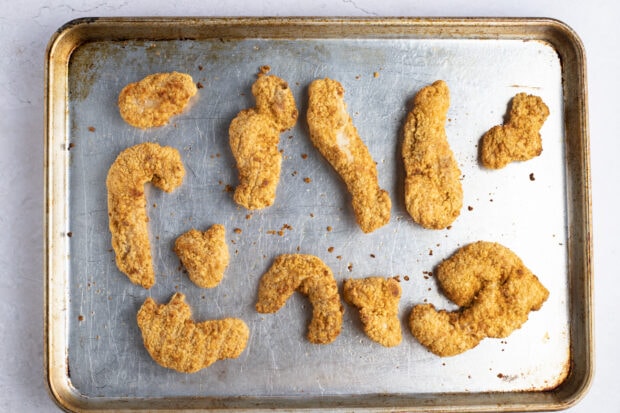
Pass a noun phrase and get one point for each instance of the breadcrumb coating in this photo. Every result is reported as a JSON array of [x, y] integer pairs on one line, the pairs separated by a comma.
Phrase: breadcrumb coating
[[332, 132], [153, 100], [377, 299], [519, 139], [254, 135], [176, 342], [495, 290], [135, 166], [433, 191], [308, 275], [204, 255]]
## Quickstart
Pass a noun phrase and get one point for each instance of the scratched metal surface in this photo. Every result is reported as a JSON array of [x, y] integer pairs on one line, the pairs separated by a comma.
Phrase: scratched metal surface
[[105, 353]]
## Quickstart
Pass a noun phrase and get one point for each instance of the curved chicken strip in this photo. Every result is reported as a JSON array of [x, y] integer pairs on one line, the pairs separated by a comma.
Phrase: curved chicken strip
[[176, 342], [519, 139], [135, 166], [153, 100], [204, 255], [308, 275], [433, 192], [254, 135], [333, 134], [377, 299], [496, 291]]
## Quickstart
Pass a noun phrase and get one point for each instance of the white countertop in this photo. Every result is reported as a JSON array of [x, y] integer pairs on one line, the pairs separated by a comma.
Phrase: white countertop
[[25, 28]]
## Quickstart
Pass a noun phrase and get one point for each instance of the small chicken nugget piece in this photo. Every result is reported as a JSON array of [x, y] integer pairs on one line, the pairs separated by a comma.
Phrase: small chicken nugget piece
[[204, 255], [153, 100], [377, 299], [135, 166], [519, 139], [308, 275], [433, 191], [495, 290], [176, 342], [254, 135], [332, 132]]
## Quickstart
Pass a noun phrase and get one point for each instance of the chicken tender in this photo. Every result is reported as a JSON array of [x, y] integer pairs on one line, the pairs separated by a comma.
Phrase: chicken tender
[[153, 100], [495, 290], [254, 135], [377, 299], [433, 192], [204, 255], [308, 275], [135, 166], [176, 342], [519, 139], [332, 132]]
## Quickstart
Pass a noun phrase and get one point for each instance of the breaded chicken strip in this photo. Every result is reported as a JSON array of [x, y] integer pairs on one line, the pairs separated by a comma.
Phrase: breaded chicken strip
[[377, 299], [519, 139], [496, 293], [153, 100], [333, 134], [433, 192], [204, 255], [254, 135], [176, 342], [135, 166], [308, 275]]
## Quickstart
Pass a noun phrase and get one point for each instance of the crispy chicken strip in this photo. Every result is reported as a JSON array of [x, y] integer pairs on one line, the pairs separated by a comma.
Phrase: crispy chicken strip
[[333, 134], [433, 192], [254, 135], [176, 342], [204, 255], [308, 275], [135, 166], [496, 293], [153, 100], [519, 139], [377, 299]]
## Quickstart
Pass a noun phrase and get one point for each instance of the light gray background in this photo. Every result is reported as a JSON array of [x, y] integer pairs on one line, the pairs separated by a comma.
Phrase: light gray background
[[25, 28]]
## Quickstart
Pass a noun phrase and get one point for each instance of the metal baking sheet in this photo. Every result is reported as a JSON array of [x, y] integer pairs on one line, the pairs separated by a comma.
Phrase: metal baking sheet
[[540, 209]]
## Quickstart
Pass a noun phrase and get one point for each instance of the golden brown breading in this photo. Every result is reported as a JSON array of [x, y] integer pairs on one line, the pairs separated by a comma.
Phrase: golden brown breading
[[332, 132], [204, 255], [377, 299], [254, 135], [275, 99], [308, 275], [176, 342], [496, 293], [433, 192], [135, 166], [153, 100], [519, 139]]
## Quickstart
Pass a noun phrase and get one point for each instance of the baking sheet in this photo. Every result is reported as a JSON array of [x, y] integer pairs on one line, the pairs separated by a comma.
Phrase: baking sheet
[[526, 207]]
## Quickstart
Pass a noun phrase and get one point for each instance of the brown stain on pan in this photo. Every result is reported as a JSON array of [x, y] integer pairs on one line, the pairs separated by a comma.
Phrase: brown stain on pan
[[83, 71]]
